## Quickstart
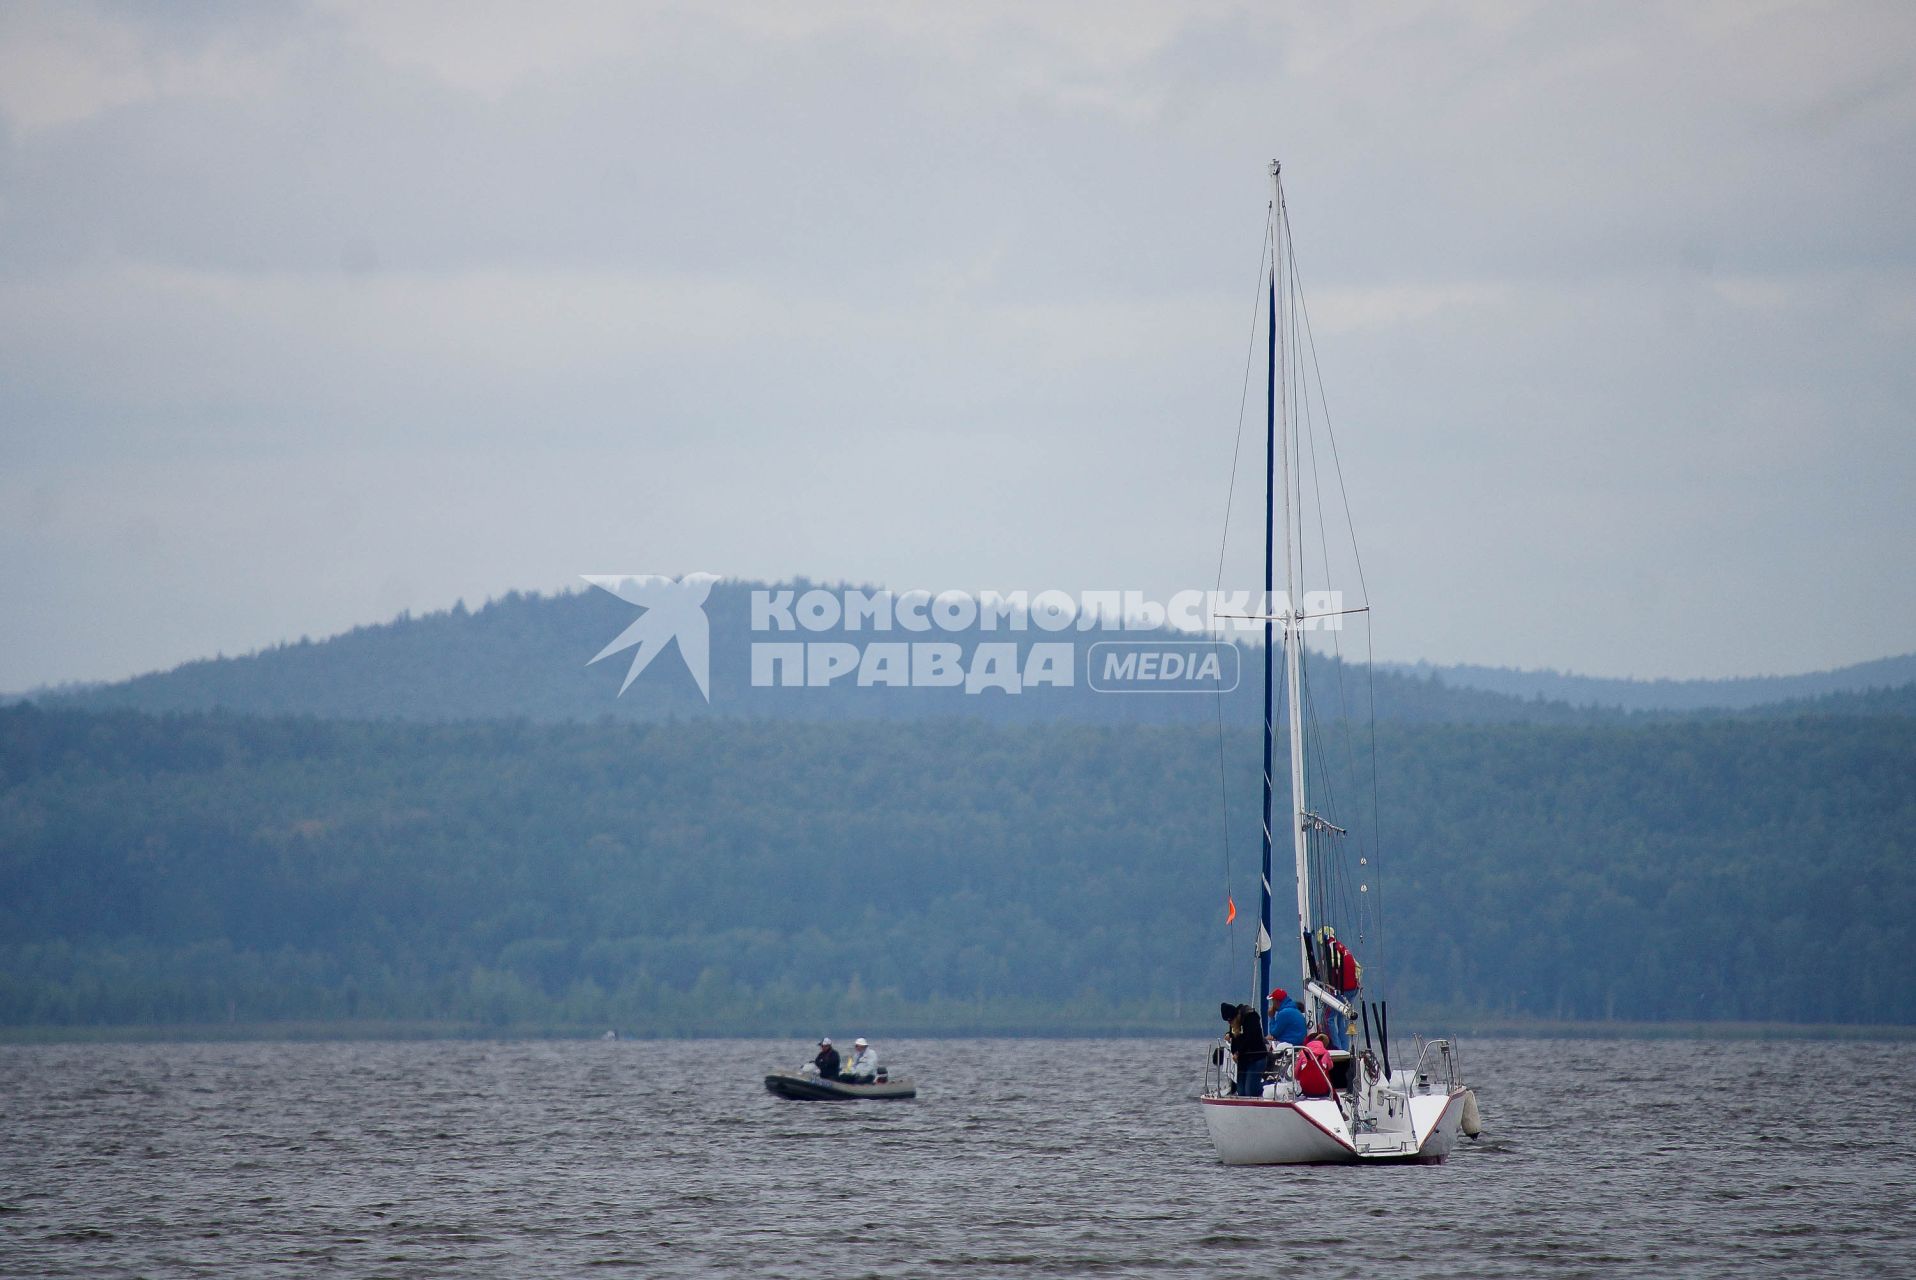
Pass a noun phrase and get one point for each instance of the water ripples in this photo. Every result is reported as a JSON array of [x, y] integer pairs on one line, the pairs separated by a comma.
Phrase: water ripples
[[1039, 1157]]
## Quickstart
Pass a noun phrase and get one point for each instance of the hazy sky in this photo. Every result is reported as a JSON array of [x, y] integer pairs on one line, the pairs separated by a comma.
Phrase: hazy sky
[[309, 314]]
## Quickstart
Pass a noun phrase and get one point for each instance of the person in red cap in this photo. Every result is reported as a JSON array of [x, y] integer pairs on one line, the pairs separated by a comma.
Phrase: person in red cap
[[1287, 1019]]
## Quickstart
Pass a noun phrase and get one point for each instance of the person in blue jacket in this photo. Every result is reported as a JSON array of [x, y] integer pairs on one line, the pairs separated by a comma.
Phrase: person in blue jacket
[[1287, 1019]]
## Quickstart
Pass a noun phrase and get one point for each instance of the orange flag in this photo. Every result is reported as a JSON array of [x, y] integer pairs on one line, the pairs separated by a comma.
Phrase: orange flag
[[1230, 913]]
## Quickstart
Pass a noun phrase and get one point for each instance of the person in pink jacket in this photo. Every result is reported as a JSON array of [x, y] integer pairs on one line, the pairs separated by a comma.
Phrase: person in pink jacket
[[1314, 1066]]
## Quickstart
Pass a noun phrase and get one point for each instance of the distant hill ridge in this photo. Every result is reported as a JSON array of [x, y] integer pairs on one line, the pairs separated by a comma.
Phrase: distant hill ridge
[[1735, 693], [525, 655]]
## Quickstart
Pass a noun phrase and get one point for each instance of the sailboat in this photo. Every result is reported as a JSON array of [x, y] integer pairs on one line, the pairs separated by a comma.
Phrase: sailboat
[[1348, 1104]]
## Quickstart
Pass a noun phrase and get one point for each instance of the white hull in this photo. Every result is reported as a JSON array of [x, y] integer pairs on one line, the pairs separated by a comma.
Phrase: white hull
[[1315, 1131]]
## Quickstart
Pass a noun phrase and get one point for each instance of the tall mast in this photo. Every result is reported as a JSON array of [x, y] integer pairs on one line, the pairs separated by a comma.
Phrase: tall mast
[[1278, 441], [1293, 625], [1264, 934]]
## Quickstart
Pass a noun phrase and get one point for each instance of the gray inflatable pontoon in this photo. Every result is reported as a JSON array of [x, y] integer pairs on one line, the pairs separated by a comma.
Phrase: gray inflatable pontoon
[[812, 1088]]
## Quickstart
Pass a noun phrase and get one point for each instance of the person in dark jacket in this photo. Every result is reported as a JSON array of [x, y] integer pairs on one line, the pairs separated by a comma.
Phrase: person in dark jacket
[[827, 1060], [1248, 1047], [1287, 1019]]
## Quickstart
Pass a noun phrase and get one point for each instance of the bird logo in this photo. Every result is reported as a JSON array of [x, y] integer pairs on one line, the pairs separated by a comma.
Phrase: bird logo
[[674, 609]]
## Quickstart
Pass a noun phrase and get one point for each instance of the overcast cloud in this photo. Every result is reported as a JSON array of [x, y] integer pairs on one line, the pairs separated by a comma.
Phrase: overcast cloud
[[309, 314]]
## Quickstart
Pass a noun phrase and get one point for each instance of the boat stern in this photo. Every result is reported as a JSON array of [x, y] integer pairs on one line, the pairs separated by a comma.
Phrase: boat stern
[[1266, 1131]]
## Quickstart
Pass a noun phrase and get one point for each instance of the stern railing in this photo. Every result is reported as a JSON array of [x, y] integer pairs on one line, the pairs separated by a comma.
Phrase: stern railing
[[1215, 1084], [1438, 1066], [1220, 1069]]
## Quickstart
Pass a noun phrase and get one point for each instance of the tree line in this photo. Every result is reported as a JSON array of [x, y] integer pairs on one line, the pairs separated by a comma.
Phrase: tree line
[[758, 876]]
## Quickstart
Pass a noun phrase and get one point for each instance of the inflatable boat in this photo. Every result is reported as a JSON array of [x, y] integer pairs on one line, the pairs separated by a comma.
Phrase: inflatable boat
[[812, 1087]]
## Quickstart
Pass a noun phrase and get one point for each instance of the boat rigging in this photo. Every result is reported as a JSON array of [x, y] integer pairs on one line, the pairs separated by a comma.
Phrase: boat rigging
[[1313, 1096]]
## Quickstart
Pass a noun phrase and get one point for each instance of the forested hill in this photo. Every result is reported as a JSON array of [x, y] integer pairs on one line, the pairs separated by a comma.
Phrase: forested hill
[[527, 655], [1864, 687], [721, 875]]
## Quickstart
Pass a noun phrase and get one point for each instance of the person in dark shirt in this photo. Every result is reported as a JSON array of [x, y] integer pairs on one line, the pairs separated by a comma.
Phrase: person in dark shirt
[[1248, 1047], [827, 1060]]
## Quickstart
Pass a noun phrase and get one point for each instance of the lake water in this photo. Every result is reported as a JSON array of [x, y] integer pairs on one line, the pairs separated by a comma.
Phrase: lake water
[[1051, 1157]]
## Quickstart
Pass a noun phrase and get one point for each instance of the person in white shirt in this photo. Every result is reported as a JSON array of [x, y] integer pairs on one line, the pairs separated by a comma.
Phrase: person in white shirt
[[863, 1068]]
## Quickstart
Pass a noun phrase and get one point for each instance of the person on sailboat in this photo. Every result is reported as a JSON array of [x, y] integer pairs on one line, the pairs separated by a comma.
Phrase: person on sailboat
[[1288, 1025], [1250, 1051], [827, 1060], [1314, 1067], [863, 1068], [1346, 976]]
